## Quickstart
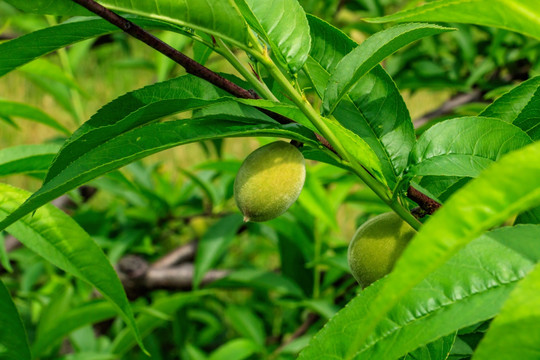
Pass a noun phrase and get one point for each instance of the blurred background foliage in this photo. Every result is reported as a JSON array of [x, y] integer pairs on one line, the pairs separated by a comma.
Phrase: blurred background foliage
[[258, 290]]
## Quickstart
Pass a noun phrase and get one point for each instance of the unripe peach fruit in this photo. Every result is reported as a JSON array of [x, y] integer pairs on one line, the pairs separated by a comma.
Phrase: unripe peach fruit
[[269, 181]]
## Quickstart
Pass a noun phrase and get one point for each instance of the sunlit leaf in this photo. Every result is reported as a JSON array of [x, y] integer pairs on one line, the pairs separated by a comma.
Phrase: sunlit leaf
[[27, 158], [520, 106], [284, 25], [516, 15], [464, 146], [367, 55]]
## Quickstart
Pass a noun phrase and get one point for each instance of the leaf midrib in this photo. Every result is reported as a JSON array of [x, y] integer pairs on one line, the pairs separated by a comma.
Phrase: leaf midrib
[[441, 308]]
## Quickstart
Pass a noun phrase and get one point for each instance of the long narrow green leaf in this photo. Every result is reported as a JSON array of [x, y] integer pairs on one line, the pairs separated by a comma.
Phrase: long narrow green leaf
[[71, 320], [134, 109], [11, 109], [41, 42], [507, 187], [143, 141], [515, 332], [517, 15], [471, 287], [60, 240], [374, 109], [247, 323], [27, 158], [217, 17], [464, 146], [519, 106], [367, 55], [284, 25], [529, 217], [13, 339]]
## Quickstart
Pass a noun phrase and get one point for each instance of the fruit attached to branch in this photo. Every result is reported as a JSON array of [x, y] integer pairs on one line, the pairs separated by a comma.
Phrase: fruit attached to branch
[[376, 246], [269, 181]]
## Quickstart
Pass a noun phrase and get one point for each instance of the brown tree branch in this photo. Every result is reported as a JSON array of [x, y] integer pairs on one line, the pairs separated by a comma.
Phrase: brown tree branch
[[138, 276], [179, 255], [448, 107], [189, 64]]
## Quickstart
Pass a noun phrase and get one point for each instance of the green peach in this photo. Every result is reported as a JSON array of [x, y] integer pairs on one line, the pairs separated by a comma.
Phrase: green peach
[[269, 181], [376, 246]]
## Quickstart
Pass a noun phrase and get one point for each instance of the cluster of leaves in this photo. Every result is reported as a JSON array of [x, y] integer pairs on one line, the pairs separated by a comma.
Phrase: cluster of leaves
[[450, 282]]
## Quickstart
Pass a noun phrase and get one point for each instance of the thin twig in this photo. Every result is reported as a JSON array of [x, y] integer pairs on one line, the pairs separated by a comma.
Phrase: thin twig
[[139, 277], [425, 202], [179, 255], [301, 330], [189, 64]]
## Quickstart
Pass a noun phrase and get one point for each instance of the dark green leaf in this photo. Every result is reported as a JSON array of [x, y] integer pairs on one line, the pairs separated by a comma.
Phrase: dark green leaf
[[529, 217], [41, 42], [471, 287], [464, 146], [135, 109], [13, 340], [367, 55], [515, 332], [295, 250], [357, 147], [436, 350], [247, 323], [315, 200], [205, 185]]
